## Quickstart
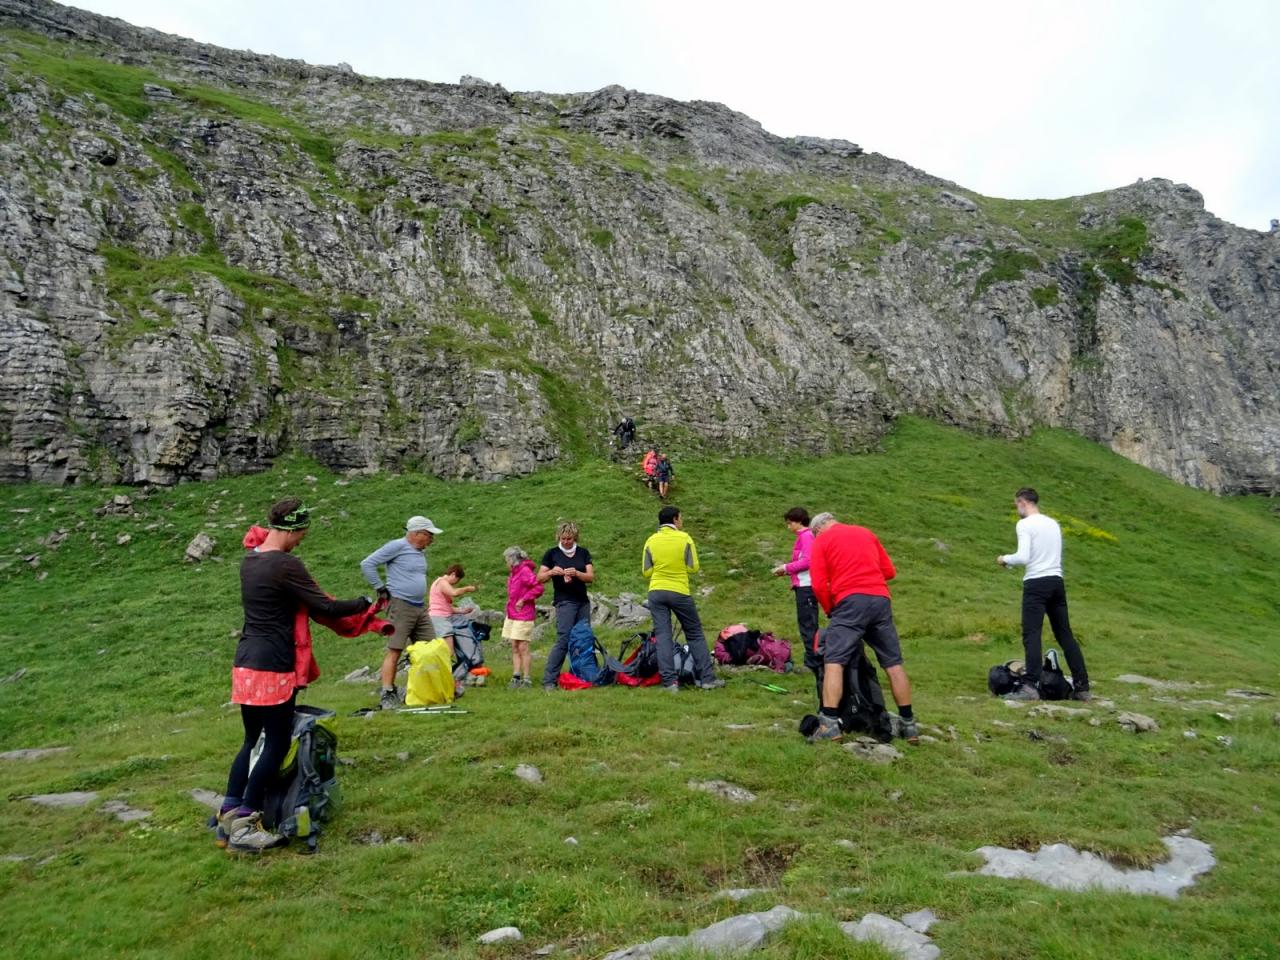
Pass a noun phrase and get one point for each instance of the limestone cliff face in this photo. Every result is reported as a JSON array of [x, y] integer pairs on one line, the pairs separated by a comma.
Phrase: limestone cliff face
[[209, 257]]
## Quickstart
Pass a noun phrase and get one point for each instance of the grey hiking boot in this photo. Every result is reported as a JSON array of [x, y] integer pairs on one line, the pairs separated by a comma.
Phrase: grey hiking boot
[[248, 835], [1024, 692], [828, 729], [1082, 694], [390, 699], [715, 683], [671, 687], [910, 732], [516, 683], [222, 828]]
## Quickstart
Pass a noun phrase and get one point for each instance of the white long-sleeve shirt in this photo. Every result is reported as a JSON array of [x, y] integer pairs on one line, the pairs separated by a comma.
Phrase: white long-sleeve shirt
[[1039, 547]]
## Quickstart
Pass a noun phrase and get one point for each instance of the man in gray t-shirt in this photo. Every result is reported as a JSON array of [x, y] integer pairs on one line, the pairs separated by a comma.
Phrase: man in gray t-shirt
[[405, 591]]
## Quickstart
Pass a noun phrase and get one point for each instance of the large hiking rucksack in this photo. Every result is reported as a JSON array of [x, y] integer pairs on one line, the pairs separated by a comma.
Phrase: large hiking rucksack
[[862, 708], [773, 653], [468, 649], [636, 667], [1005, 678], [304, 792], [430, 682], [583, 663]]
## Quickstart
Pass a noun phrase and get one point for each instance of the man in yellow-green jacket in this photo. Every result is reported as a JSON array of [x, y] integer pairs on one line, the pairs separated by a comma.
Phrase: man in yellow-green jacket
[[669, 558]]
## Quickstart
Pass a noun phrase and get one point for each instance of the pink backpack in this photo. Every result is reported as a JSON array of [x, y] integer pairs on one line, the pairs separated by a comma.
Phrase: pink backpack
[[772, 653]]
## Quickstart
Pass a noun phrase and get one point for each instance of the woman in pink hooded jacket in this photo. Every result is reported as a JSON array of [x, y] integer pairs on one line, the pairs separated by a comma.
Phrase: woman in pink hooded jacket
[[797, 520], [523, 589]]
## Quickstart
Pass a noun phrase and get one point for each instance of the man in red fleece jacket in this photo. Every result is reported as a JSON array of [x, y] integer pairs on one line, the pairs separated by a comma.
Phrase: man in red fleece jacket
[[850, 574]]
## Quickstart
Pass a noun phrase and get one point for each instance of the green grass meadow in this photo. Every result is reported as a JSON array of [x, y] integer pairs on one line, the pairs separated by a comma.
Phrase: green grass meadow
[[127, 651]]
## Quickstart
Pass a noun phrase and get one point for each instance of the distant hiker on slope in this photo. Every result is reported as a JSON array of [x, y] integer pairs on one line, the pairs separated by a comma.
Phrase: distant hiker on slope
[[663, 471], [850, 572], [1043, 592], [625, 431]]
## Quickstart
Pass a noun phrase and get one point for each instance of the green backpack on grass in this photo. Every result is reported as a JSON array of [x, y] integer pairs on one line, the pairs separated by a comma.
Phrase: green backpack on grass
[[304, 793]]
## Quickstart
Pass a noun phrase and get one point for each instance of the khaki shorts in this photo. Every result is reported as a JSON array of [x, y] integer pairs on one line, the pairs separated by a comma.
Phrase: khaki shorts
[[411, 623], [517, 630]]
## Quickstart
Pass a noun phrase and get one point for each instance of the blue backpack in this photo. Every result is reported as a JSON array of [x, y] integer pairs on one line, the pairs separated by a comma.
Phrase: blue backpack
[[583, 663]]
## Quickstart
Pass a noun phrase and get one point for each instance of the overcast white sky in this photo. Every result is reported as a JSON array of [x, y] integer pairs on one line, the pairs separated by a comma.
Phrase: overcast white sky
[[1013, 99]]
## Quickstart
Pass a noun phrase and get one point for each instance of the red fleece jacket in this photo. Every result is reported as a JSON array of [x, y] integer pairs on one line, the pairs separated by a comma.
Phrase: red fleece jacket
[[305, 668], [847, 559]]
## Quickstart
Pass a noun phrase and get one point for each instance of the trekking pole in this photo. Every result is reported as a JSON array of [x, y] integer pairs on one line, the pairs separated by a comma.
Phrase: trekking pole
[[772, 687]]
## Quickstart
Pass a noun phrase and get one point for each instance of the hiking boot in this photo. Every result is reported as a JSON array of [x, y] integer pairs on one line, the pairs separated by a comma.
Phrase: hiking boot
[[911, 732], [221, 823], [459, 688], [671, 687], [1082, 694], [715, 683], [516, 683], [549, 688], [526, 684], [1024, 692], [390, 699], [248, 835], [828, 729]]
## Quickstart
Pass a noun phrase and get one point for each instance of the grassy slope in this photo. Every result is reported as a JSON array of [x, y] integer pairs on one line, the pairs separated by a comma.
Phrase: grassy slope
[[128, 649]]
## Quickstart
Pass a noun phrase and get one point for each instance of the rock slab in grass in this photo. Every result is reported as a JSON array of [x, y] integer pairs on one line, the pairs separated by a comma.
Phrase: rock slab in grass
[[362, 675], [737, 894], [1156, 684], [501, 935], [1251, 694], [724, 789], [873, 751], [1137, 723], [123, 812], [1057, 711], [206, 798], [528, 773], [76, 798], [32, 753], [898, 938], [200, 548], [921, 920], [733, 935], [1062, 867]]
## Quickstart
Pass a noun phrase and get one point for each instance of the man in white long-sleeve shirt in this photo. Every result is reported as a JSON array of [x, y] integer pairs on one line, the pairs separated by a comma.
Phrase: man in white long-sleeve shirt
[[1043, 592]]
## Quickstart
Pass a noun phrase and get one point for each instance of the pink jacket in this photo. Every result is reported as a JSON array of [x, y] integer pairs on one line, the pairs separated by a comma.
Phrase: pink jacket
[[523, 585], [800, 553]]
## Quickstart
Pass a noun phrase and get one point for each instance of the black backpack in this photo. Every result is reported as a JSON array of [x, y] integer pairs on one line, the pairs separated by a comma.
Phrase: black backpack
[[862, 708], [1007, 677], [740, 646]]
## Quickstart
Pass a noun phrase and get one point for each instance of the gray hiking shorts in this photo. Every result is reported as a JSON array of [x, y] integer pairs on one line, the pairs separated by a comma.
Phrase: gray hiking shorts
[[860, 618]]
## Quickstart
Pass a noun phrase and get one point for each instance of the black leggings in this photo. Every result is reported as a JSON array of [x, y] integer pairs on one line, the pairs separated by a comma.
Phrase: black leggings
[[277, 722]]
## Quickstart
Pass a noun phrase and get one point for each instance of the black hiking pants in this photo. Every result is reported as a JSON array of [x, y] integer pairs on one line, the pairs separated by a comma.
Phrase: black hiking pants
[[807, 622], [1048, 595], [277, 722]]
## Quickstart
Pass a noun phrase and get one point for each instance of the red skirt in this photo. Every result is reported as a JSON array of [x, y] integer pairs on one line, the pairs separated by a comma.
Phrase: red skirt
[[260, 688]]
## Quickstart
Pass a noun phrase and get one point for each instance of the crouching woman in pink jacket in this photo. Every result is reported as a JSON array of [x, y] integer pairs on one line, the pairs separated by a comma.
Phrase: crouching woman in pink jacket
[[523, 589]]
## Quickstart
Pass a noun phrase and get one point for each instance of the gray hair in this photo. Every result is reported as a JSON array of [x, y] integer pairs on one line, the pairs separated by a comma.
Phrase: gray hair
[[567, 528], [821, 522], [514, 555]]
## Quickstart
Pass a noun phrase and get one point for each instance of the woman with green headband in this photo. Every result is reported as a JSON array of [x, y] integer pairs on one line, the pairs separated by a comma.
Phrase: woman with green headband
[[273, 585]]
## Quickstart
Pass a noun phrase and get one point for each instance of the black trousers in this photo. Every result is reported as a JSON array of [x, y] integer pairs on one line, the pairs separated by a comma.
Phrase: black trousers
[[277, 722], [1048, 595], [807, 622]]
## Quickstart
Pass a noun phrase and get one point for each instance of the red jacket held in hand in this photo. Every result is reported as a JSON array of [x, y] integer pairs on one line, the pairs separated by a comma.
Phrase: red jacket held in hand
[[848, 559], [305, 668]]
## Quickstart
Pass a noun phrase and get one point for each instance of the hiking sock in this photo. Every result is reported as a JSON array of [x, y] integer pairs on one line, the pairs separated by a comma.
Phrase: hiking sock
[[832, 712], [244, 811], [905, 712], [229, 804]]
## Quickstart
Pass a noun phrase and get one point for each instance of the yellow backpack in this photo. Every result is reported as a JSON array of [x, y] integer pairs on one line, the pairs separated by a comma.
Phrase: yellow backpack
[[430, 674]]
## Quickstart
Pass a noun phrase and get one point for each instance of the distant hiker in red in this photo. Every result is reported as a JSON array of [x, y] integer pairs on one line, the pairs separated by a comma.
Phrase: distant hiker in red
[[850, 572], [274, 585]]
